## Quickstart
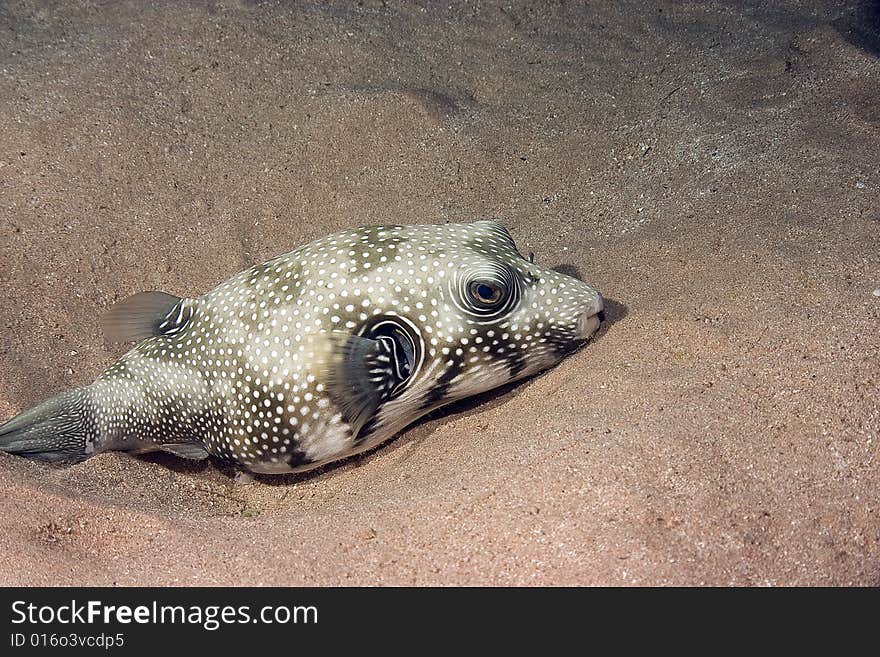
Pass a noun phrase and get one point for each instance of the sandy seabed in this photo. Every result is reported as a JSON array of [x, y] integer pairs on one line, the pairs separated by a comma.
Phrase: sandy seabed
[[713, 168]]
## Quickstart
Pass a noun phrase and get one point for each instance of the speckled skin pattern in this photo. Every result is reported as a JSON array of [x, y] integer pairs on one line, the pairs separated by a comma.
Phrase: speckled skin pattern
[[332, 348]]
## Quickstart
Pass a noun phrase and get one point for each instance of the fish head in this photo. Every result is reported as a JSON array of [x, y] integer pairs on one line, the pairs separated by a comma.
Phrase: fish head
[[479, 316], [507, 317]]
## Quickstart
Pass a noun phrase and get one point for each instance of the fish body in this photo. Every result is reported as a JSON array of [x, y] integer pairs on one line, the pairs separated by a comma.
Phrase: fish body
[[319, 353]]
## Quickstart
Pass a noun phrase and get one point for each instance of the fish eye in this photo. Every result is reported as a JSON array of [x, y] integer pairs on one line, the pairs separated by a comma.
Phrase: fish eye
[[485, 293]]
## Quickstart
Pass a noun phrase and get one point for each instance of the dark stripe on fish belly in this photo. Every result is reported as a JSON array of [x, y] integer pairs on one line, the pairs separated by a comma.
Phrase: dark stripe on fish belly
[[440, 391], [562, 345], [296, 458], [435, 396], [516, 363]]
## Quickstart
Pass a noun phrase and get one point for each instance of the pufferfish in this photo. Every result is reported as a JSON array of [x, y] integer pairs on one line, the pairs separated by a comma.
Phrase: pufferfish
[[318, 354]]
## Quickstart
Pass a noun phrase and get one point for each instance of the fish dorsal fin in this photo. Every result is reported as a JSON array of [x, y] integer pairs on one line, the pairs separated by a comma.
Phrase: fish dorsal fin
[[144, 315], [191, 451], [360, 375]]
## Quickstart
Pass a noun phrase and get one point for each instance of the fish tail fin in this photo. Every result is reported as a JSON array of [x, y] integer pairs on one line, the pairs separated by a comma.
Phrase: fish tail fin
[[59, 429]]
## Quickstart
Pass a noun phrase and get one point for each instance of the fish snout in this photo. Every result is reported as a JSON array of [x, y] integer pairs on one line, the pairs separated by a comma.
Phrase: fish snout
[[589, 320]]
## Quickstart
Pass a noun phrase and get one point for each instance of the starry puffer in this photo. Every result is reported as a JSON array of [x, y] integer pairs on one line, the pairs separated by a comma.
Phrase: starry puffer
[[318, 354]]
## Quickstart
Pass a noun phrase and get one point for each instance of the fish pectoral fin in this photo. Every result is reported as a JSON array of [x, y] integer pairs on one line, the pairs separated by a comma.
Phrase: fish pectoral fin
[[359, 374], [191, 451], [145, 315]]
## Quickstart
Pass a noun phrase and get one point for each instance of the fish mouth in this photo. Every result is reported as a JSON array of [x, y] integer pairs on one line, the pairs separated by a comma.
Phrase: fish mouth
[[590, 320]]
